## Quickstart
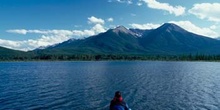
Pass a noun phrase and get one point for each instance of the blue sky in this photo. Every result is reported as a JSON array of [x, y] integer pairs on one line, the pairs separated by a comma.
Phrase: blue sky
[[29, 24]]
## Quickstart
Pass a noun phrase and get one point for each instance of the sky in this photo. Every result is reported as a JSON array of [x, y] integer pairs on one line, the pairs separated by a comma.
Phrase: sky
[[30, 24]]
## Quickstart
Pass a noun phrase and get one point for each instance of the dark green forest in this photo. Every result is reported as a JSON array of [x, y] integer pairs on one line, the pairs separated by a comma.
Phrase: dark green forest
[[104, 57]]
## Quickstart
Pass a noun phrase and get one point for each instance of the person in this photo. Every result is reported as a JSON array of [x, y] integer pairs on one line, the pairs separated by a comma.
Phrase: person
[[118, 103]]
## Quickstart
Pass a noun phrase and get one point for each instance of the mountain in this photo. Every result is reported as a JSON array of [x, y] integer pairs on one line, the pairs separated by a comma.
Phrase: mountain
[[172, 39], [6, 54], [115, 41], [168, 39]]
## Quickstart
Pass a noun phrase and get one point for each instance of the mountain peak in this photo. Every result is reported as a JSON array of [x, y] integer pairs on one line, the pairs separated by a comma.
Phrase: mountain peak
[[122, 29], [171, 27], [170, 24]]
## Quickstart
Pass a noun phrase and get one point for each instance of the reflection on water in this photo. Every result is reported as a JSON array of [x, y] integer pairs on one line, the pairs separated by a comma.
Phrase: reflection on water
[[91, 85]]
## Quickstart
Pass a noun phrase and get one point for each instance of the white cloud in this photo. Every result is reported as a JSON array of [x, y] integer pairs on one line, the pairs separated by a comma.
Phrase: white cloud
[[23, 31], [129, 2], [94, 20], [213, 27], [207, 11], [145, 26], [51, 37], [98, 28], [98, 24], [9, 44], [18, 31], [123, 1], [81, 33], [187, 25], [139, 4], [176, 10], [110, 19], [47, 38]]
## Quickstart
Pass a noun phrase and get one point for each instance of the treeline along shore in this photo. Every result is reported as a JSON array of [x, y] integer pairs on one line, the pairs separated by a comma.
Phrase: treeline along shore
[[109, 57]]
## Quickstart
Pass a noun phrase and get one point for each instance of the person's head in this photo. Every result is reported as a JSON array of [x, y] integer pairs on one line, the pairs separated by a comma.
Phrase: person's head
[[118, 96]]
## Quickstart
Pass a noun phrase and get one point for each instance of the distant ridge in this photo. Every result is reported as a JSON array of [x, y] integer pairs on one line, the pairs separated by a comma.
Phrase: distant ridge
[[168, 39], [6, 53]]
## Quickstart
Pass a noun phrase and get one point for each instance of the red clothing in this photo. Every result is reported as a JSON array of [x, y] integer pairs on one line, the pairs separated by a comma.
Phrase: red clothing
[[118, 101]]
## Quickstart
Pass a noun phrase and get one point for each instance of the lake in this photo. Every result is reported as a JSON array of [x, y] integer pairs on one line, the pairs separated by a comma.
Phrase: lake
[[145, 85]]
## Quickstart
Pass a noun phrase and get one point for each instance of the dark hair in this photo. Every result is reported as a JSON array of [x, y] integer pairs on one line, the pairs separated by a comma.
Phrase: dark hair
[[117, 94]]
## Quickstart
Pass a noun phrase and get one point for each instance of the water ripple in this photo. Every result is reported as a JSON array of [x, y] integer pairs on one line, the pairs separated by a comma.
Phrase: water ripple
[[91, 85]]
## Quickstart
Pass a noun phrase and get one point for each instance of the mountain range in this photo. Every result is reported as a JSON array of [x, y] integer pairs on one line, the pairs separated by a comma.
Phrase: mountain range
[[168, 39]]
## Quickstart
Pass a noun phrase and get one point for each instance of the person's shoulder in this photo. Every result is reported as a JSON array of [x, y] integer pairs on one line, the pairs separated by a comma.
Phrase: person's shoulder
[[123, 102], [112, 101], [125, 105]]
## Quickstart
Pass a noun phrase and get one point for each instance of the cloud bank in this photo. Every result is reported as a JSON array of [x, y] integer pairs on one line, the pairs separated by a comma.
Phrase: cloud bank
[[51, 37], [207, 11], [145, 26]]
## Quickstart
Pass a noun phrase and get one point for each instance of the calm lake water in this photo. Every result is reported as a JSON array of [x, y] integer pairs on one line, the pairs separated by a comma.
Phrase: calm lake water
[[91, 85]]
